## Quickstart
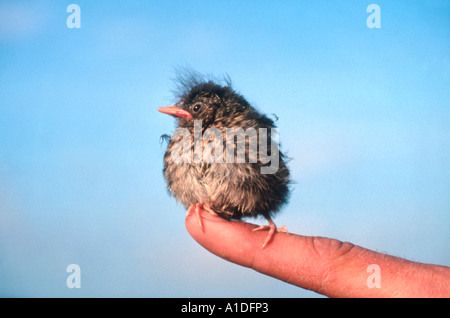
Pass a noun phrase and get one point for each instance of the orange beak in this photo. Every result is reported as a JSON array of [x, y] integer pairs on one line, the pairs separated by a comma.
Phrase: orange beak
[[175, 111]]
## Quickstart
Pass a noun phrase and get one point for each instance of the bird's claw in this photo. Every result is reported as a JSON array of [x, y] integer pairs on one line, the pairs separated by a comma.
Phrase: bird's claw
[[272, 228], [196, 209]]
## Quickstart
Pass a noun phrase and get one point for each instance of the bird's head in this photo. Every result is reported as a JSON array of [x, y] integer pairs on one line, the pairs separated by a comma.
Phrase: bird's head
[[206, 101]]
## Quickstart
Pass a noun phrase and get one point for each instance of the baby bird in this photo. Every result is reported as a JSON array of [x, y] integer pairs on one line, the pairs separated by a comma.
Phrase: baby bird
[[218, 157]]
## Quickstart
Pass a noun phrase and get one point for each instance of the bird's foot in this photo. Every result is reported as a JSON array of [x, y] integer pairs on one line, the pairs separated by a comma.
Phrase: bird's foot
[[272, 229], [208, 209], [195, 208]]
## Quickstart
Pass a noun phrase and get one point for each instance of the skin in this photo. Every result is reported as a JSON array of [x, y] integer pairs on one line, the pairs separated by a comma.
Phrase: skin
[[326, 266]]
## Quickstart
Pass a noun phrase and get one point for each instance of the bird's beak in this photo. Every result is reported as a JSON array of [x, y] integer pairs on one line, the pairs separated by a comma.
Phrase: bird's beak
[[176, 111]]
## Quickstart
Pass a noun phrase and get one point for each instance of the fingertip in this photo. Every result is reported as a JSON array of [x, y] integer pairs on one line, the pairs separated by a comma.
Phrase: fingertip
[[231, 240], [193, 225], [289, 257]]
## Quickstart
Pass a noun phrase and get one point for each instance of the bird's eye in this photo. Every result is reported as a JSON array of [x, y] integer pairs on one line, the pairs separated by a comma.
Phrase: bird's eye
[[197, 108]]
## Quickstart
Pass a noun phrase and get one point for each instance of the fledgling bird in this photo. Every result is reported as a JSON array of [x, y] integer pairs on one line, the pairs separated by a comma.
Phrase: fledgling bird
[[234, 189]]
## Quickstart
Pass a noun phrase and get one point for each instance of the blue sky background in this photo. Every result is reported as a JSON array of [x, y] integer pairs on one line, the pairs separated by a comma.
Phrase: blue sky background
[[363, 112]]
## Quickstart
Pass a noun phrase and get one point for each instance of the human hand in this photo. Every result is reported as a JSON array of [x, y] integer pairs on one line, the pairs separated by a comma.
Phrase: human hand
[[326, 266]]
